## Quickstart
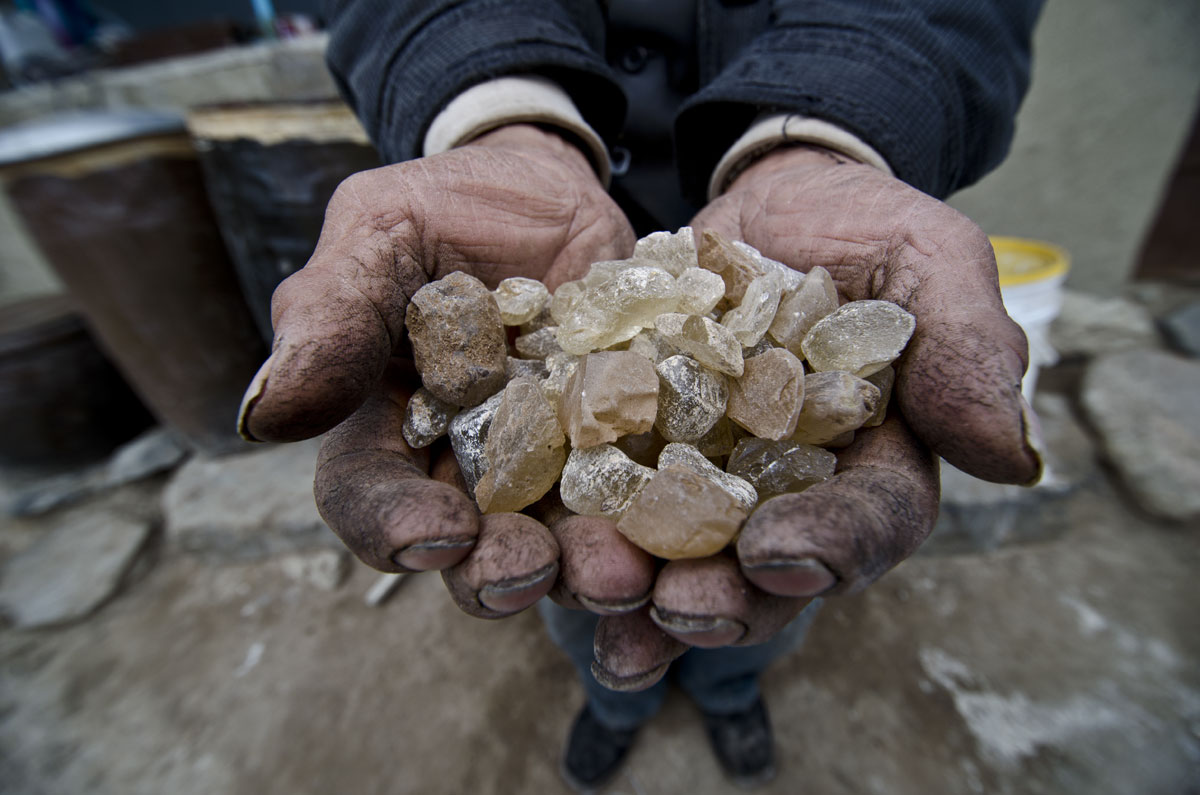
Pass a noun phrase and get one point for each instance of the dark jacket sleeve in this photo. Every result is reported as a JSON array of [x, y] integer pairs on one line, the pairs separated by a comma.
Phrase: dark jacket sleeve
[[932, 85], [399, 63]]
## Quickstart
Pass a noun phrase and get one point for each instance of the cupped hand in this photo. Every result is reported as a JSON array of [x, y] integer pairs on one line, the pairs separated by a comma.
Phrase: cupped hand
[[957, 395], [519, 201]]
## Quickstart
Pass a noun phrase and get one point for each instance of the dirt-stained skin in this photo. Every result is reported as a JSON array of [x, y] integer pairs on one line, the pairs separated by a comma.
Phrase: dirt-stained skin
[[521, 202]]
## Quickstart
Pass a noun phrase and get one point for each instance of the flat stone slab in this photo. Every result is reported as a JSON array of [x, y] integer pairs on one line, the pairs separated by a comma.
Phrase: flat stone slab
[[248, 506], [1143, 404], [72, 569], [1091, 325]]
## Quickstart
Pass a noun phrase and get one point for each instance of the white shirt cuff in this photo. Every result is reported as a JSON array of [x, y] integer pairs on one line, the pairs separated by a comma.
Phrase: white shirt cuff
[[514, 100], [778, 129]]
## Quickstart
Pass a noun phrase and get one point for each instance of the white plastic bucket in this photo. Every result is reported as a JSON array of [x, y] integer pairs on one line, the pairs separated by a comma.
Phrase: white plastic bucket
[[1031, 283]]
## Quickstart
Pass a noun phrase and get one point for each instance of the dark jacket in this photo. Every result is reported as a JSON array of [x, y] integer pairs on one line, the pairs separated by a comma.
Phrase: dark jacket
[[932, 85]]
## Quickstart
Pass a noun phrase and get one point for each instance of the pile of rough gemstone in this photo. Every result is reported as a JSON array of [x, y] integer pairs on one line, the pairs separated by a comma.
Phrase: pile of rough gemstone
[[632, 386]]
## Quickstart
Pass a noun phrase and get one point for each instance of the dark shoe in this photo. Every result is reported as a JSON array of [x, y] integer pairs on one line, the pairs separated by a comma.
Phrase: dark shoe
[[744, 745], [594, 752]]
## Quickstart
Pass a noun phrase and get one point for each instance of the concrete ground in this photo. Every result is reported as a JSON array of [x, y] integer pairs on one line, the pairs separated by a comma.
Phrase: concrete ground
[[1059, 666]]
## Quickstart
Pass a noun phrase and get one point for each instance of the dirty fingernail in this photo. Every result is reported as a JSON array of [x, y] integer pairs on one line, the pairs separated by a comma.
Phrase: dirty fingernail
[[517, 594], [804, 577], [253, 393], [611, 607], [1034, 440], [627, 684], [433, 555], [704, 631]]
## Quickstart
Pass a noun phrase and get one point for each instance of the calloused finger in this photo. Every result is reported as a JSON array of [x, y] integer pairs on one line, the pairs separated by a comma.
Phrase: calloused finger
[[375, 493], [631, 652], [513, 564], [708, 602], [841, 535], [337, 321], [601, 571]]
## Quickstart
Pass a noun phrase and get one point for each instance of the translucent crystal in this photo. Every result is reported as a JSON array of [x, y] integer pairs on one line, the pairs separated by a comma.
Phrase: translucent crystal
[[883, 380], [861, 337], [791, 277], [801, 308], [700, 291], [691, 398], [709, 343], [616, 309], [612, 393], [749, 320], [564, 299], [834, 403], [525, 368], [426, 418], [520, 299], [458, 340], [766, 400], [775, 468], [650, 344], [560, 367], [468, 432], [525, 450], [687, 456], [680, 514], [601, 481], [538, 344], [736, 267], [674, 252]]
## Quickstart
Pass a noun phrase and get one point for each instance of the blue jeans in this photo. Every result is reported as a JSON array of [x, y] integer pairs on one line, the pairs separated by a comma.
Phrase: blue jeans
[[720, 681]]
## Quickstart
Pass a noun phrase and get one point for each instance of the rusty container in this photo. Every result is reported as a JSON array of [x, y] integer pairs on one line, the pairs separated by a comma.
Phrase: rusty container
[[116, 202], [62, 402], [271, 169]]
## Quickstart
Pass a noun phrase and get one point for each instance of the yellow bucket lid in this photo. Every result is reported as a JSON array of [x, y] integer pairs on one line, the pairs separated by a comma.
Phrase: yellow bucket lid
[[1022, 261]]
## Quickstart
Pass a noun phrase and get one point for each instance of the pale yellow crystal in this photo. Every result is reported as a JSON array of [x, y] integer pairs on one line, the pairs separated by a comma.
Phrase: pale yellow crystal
[[611, 394], [681, 514], [709, 343], [675, 252], [520, 299], [791, 276], [617, 308], [700, 291], [736, 267], [525, 450], [861, 337], [775, 468], [767, 399], [834, 403], [601, 481], [564, 300], [749, 320], [687, 456], [800, 309], [560, 367]]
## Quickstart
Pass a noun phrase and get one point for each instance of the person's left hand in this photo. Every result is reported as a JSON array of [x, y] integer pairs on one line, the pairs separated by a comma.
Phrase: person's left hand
[[957, 395]]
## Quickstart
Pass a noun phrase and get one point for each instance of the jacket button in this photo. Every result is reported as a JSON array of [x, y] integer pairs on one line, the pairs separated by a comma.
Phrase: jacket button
[[634, 59]]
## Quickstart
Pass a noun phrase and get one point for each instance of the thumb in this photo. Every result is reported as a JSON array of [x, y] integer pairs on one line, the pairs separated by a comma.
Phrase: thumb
[[337, 322]]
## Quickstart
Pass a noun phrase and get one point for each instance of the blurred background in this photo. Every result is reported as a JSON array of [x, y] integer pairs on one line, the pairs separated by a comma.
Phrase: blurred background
[[178, 618]]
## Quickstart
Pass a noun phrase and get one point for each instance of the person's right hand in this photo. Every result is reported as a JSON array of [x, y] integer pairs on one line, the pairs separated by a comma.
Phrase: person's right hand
[[518, 201]]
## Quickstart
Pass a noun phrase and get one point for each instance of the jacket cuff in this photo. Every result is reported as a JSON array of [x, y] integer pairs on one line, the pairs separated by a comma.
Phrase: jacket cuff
[[779, 129], [514, 100]]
